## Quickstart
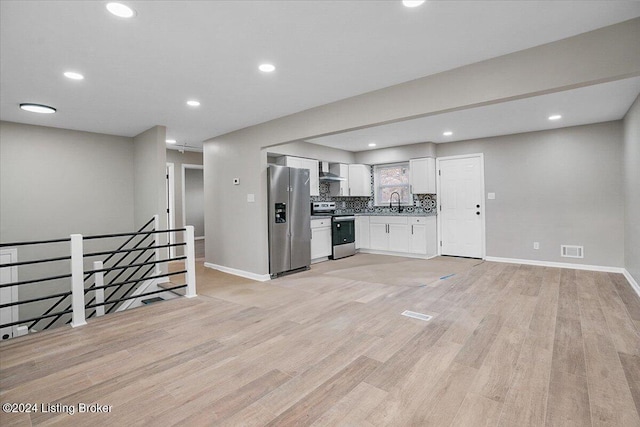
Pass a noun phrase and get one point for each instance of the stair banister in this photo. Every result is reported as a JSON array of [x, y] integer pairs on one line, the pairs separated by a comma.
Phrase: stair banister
[[190, 262], [77, 281]]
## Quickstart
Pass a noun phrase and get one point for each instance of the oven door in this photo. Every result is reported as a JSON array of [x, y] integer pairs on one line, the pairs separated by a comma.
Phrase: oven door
[[343, 230]]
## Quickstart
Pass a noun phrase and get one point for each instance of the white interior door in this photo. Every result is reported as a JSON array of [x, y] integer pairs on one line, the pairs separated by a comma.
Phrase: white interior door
[[461, 213]]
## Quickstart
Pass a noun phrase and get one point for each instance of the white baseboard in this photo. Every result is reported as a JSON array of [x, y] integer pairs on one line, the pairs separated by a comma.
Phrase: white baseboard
[[199, 238], [556, 264], [631, 281], [401, 254], [321, 259], [241, 273]]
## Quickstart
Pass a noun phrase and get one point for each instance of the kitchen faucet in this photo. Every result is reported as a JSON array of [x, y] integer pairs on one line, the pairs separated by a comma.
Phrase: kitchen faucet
[[391, 200]]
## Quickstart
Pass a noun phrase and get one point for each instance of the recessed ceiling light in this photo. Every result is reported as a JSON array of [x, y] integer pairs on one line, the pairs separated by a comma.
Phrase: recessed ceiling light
[[447, 133], [73, 75], [193, 103], [372, 144], [38, 108], [412, 3], [120, 10], [267, 68], [555, 117], [171, 141]]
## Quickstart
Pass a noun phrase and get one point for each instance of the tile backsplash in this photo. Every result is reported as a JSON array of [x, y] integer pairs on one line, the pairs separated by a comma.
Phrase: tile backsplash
[[422, 203]]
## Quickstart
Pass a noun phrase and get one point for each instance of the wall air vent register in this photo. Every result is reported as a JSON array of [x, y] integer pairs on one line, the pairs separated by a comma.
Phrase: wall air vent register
[[571, 251]]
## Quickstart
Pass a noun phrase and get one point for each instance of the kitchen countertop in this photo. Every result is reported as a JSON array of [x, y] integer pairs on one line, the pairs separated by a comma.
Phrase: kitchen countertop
[[377, 214], [395, 214]]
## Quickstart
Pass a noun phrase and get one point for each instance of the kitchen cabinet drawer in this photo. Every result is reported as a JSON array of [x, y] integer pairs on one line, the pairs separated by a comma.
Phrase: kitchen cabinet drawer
[[319, 223], [420, 219]]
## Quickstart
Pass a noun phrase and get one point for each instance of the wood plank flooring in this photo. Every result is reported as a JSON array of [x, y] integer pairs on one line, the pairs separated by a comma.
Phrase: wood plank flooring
[[508, 345]]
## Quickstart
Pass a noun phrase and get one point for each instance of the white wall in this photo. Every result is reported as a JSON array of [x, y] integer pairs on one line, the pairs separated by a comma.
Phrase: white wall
[[237, 230], [312, 151], [149, 168], [562, 186], [632, 190], [194, 200], [396, 154], [57, 182]]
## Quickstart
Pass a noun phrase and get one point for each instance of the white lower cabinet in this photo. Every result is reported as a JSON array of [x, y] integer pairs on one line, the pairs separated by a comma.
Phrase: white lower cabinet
[[362, 232], [401, 234], [389, 233], [418, 236], [422, 239], [320, 238], [399, 237], [378, 238]]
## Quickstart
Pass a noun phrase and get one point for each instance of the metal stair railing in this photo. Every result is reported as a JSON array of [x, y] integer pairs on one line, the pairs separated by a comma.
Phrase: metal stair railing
[[88, 276], [121, 287]]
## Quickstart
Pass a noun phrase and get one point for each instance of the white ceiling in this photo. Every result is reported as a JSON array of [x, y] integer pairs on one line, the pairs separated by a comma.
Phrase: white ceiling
[[140, 72], [591, 104]]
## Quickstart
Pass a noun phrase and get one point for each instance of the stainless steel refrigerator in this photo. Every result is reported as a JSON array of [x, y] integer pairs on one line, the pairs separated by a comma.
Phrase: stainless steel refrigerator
[[289, 219]]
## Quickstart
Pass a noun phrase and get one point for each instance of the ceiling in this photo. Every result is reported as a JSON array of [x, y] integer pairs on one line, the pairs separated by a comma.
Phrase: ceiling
[[140, 72], [591, 104]]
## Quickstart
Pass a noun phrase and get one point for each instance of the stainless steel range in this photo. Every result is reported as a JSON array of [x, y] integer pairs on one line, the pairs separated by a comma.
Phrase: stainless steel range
[[343, 229]]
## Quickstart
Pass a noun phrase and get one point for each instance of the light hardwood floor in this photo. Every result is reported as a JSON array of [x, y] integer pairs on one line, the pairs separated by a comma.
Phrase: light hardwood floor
[[508, 345]]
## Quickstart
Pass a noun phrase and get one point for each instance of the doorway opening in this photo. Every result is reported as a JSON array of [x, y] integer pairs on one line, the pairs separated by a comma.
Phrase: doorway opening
[[193, 203]]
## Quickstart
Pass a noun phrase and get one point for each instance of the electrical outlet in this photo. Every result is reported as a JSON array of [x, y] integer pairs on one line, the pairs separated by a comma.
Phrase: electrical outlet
[[536, 245]]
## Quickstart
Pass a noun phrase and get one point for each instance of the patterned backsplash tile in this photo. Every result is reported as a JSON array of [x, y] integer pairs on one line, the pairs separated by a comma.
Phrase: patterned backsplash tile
[[422, 203]]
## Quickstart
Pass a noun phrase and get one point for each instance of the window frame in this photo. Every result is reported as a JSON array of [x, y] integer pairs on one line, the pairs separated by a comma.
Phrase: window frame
[[377, 186]]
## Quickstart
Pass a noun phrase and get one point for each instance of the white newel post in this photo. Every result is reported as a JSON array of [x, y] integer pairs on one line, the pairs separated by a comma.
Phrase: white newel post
[[77, 281], [156, 238], [97, 265], [190, 262]]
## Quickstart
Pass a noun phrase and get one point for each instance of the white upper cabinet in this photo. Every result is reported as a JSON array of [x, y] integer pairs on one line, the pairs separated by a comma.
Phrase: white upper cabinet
[[357, 182], [422, 175], [339, 188], [301, 163]]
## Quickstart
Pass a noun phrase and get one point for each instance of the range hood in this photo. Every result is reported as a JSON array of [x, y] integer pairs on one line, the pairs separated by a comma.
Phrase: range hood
[[325, 175]]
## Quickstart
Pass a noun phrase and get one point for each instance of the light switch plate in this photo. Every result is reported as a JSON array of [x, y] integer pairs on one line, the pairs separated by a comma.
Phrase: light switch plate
[[251, 198], [491, 196]]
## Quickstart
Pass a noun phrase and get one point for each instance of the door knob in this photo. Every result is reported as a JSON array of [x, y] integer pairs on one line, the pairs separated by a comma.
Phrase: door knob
[[477, 213], [478, 206]]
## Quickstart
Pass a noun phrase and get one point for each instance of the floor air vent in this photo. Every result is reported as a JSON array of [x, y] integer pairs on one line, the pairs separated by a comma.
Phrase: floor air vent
[[415, 315], [571, 251]]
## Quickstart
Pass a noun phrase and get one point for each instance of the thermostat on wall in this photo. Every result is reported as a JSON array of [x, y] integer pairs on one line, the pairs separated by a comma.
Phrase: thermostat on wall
[[236, 181]]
